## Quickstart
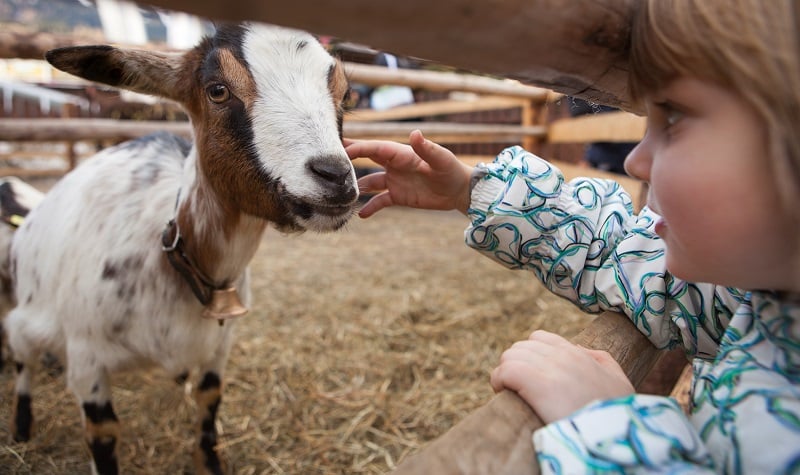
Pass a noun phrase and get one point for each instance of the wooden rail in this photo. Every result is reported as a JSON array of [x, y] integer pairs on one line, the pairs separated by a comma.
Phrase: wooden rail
[[577, 47], [496, 438], [443, 81], [109, 129]]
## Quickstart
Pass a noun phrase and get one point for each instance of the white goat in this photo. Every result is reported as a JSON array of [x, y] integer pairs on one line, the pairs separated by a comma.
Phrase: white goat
[[17, 198], [126, 255]]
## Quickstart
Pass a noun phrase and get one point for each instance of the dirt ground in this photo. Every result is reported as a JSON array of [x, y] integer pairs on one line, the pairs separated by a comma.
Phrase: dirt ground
[[361, 346]]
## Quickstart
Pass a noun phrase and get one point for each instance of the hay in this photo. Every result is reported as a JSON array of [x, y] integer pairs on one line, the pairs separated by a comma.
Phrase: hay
[[361, 347]]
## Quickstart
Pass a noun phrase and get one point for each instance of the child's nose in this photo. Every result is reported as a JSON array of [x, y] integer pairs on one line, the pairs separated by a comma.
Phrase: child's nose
[[637, 163]]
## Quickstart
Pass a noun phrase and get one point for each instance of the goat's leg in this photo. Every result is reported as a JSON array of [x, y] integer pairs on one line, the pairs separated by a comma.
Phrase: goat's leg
[[25, 354], [208, 396], [91, 386], [21, 411]]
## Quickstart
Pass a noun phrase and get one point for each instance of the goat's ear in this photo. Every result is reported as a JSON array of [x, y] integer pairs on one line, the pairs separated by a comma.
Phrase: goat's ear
[[141, 71]]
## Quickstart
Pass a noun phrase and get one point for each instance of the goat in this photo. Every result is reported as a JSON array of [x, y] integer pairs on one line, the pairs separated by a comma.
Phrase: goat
[[126, 255], [17, 198]]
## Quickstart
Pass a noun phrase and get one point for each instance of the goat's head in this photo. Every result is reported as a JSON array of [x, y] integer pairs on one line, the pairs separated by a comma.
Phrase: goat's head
[[266, 108]]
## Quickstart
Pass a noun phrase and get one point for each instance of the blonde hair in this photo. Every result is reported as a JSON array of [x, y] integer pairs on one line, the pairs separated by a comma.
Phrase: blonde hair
[[750, 47]]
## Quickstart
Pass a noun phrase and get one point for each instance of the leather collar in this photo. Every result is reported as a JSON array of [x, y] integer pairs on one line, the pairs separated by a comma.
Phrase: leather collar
[[221, 301]]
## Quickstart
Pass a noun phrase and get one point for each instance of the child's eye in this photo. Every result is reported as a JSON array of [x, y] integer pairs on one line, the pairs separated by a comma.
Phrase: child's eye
[[673, 116], [670, 115]]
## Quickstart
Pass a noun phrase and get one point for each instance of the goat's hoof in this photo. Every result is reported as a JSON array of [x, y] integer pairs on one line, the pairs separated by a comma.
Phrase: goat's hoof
[[20, 434], [209, 462]]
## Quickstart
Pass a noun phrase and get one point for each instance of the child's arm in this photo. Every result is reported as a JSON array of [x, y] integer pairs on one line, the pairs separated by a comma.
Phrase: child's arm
[[584, 242]]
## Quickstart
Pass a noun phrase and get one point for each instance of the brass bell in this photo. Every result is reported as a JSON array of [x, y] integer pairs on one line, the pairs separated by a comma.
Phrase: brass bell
[[224, 304]]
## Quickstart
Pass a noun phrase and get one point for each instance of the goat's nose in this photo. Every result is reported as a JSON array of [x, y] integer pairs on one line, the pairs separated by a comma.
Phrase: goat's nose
[[330, 170]]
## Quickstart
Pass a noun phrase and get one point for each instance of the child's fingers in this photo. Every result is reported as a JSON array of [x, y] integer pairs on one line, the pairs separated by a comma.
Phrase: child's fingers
[[380, 151], [604, 358], [375, 204], [549, 338], [431, 152], [372, 182], [511, 375]]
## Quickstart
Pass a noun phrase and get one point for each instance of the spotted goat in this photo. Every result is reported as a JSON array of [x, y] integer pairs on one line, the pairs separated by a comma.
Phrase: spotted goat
[[138, 256]]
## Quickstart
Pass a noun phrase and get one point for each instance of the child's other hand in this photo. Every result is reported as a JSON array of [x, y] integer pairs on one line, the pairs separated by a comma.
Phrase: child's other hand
[[423, 175], [556, 377]]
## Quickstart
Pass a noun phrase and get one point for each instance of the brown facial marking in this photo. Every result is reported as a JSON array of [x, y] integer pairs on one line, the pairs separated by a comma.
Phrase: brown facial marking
[[337, 84], [221, 144], [237, 77]]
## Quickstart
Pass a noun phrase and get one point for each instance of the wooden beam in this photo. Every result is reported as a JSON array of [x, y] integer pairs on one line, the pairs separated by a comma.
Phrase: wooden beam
[[605, 127], [496, 438], [33, 44], [35, 130], [442, 81], [444, 132], [109, 129], [33, 172], [578, 47], [433, 108]]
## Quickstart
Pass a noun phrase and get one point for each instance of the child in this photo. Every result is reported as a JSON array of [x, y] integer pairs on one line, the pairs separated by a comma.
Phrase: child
[[712, 263]]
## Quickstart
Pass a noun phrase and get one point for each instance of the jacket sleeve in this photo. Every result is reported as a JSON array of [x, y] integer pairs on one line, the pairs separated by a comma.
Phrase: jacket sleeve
[[633, 434], [584, 242]]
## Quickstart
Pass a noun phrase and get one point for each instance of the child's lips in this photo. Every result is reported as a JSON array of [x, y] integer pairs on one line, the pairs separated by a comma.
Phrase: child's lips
[[660, 226]]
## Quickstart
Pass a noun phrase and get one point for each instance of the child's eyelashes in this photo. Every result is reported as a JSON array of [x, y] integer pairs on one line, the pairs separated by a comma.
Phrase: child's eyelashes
[[673, 117], [669, 114]]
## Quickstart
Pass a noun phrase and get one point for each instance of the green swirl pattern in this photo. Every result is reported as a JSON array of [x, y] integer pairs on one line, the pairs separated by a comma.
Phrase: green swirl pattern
[[584, 242]]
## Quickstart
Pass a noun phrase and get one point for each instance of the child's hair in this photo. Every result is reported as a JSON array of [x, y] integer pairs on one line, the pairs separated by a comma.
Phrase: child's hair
[[750, 47]]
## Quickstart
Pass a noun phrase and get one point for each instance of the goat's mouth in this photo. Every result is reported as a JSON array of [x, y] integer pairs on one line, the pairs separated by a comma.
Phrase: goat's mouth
[[321, 216]]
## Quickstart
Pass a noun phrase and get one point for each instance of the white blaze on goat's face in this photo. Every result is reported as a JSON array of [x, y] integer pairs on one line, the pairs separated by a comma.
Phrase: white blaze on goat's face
[[297, 117]]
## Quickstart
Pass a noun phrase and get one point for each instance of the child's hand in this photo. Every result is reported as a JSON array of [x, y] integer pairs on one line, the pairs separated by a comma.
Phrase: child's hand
[[556, 377], [424, 175]]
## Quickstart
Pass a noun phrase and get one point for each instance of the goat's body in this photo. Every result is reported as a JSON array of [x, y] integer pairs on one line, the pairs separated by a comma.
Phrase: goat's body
[[148, 315]]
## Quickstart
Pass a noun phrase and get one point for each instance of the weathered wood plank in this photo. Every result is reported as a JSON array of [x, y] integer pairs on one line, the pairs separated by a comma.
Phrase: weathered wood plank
[[606, 127], [32, 172], [442, 81], [496, 438], [432, 108], [578, 47], [108, 129], [47, 129], [33, 44]]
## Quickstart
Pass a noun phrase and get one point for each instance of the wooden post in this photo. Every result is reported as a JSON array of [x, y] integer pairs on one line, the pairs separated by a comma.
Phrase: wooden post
[[578, 47], [533, 114], [496, 438], [72, 155]]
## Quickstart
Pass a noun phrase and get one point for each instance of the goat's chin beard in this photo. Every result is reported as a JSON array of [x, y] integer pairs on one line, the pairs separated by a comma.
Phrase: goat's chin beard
[[320, 218]]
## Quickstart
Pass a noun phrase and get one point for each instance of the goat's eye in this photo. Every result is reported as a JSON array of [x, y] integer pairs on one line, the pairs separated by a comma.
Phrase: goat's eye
[[218, 93]]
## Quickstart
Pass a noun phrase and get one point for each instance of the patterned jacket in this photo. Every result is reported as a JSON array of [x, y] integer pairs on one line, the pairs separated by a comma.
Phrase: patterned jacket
[[583, 241]]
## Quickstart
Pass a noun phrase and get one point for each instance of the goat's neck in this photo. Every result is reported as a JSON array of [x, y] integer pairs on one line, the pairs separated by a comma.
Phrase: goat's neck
[[221, 240]]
